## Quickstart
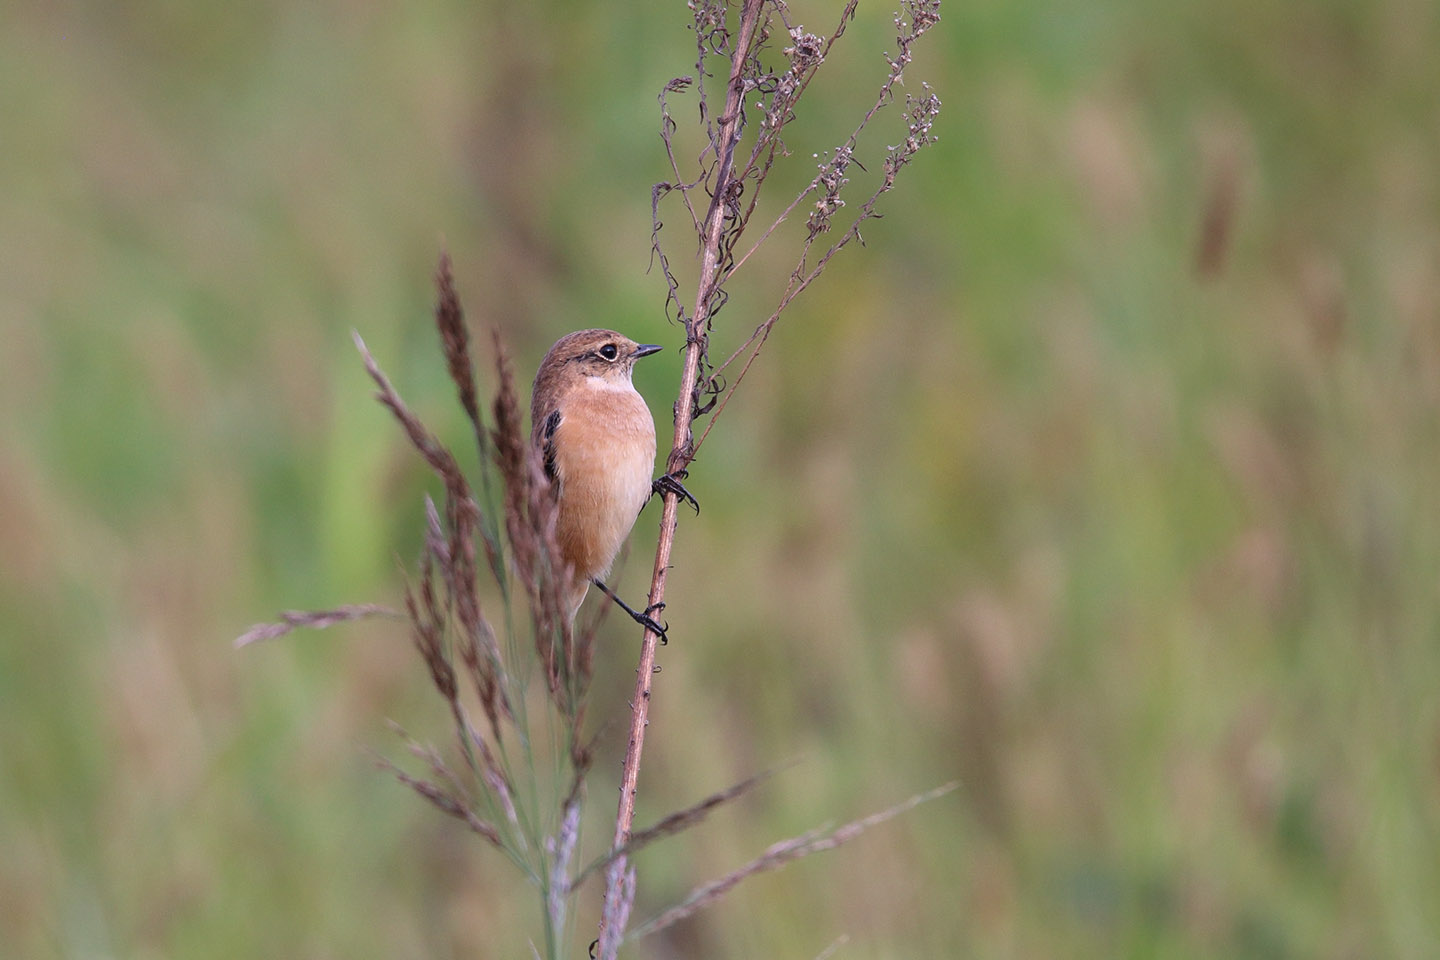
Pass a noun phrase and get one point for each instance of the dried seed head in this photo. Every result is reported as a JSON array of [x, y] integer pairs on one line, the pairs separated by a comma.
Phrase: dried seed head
[[806, 51]]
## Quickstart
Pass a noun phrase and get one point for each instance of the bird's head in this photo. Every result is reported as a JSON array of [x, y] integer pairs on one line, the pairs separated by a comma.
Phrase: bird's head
[[603, 354]]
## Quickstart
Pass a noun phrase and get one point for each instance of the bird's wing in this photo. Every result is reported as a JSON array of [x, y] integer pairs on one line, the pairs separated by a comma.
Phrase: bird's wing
[[547, 437]]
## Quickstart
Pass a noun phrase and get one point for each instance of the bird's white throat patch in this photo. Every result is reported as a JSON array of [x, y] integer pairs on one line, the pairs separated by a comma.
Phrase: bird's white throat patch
[[603, 383]]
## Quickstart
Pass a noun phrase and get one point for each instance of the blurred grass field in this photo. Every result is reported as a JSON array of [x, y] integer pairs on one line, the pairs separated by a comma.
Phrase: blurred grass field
[[1138, 539]]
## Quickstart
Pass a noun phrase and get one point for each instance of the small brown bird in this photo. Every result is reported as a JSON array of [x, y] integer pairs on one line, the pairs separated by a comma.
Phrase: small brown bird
[[598, 440]]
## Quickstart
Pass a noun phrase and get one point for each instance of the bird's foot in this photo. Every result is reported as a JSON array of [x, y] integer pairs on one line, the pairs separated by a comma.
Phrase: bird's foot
[[644, 619], [670, 483]]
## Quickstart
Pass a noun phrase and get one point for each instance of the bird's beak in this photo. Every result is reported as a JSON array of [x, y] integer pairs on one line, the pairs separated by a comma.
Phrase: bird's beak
[[645, 349]]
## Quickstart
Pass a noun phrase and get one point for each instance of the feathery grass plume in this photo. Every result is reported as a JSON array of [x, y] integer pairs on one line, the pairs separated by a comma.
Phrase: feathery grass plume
[[428, 622], [677, 822], [502, 795], [561, 848], [455, 344], [313, 620], [445, 802], [777, 856], [615, 914], [513, 456], [445, 793], [427, 627], [530, 513], [459, 571]]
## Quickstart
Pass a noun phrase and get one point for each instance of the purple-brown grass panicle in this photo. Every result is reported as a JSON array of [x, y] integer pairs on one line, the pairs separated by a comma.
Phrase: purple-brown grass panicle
[[530, 515]]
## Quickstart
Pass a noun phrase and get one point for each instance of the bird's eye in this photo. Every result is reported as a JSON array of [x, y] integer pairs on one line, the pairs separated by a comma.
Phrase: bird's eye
[[609, 352]]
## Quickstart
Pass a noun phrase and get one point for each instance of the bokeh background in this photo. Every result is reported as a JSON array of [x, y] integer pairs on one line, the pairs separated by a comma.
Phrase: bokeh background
[[1105, 479]]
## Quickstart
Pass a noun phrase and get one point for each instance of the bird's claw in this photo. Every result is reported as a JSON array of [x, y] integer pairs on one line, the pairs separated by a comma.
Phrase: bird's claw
[[644, 619], [658, 629], [669, 483], [649, 622]]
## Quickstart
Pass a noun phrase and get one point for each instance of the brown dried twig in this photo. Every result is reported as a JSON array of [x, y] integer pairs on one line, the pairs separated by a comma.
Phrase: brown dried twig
[[718, 232], [831, 181], [726, 137]]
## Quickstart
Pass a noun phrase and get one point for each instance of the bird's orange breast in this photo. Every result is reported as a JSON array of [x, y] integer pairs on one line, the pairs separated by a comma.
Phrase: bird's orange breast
[[604, 457]]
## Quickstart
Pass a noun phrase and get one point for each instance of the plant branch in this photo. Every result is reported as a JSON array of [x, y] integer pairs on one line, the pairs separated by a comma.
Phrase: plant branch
[[920, 117], [681, 452]]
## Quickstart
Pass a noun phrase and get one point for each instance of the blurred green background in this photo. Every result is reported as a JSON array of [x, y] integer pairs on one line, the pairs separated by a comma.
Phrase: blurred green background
[[1129, 523]]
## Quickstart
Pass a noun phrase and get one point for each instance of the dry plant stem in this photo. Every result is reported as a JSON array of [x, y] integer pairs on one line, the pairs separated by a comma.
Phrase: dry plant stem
[[680, 455]]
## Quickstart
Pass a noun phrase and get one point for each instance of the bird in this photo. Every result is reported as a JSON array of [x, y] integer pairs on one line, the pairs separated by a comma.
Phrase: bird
[[597, 438]]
